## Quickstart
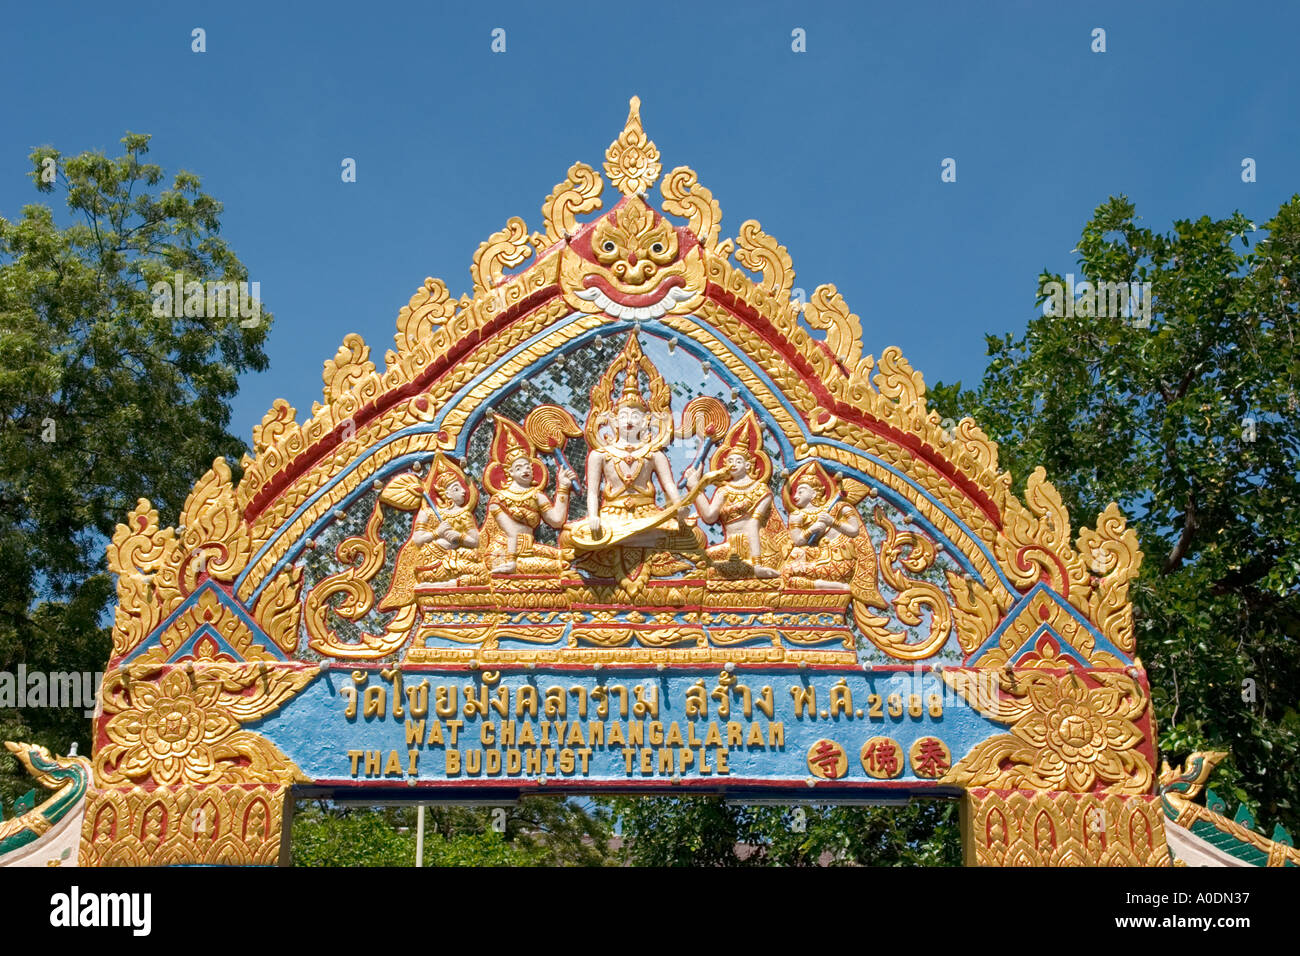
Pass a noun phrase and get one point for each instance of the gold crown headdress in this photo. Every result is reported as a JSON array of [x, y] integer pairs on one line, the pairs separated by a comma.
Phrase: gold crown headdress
[[813, 474], [745, 438], [607, 396], [510, 442]]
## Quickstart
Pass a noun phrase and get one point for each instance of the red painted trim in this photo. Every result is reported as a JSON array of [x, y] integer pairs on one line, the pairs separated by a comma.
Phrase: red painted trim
[[367, 413], [720, 296], [741, 310]]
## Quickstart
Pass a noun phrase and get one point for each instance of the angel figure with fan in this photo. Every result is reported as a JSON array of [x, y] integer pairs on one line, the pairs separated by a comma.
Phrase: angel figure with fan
[[822, 528], [518, 505], [756, 540], [443, 550]]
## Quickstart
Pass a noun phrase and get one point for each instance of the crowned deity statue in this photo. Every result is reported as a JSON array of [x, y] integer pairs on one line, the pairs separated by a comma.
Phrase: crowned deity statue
[[516, 477], [629, 532], [443, 549], [755, 538], [822, 526]]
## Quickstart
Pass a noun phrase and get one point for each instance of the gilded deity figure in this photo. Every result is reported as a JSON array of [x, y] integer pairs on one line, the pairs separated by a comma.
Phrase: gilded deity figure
[[822, 527], [628, 533], [518, 505], [626, 458], [443, 550], [742, 503]]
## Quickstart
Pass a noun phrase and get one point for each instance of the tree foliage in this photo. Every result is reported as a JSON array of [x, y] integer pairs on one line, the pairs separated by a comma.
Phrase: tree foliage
[[1192, 424], [540, 831], [102, 400], [708, 831]]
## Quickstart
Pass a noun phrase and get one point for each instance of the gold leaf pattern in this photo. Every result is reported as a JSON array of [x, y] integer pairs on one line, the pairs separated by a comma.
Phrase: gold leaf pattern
[[759, 252], [183, 825], [632, 160], [1019, 828], [216, 539], [278, 611], [170, 726], [827, 311], [1065, 734], [577, 195], [275, 424], [430, 307], [684, 196], [138, 552], [975, 611], [502, 250], [348, 368], [1115, 557]]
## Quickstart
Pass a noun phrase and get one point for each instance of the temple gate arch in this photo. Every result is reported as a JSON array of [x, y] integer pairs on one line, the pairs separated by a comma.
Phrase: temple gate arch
[[626, 516]]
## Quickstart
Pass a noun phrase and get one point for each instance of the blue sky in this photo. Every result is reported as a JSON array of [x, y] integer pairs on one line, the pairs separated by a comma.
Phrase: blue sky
[[836, 151]]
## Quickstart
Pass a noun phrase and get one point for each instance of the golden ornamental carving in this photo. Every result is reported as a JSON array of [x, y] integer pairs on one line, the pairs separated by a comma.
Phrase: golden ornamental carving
[[209, 613], [363, 556], [216, 541], [183, 725], [1113, 556], [578, 195], [183, 825], [145, 559], [759, 252], [685, 197], [1068, 732], [349, 367], [1035, 545], [827, 311], [430, 308], [1023, 828], [896, 380], [907, 551], [276, 423], [976, 611], [279, 610], [632, 160], [501, 251]]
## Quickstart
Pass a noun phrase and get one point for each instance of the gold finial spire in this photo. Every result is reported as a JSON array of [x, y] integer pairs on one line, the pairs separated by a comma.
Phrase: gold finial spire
[[632, 160], [632, 397]]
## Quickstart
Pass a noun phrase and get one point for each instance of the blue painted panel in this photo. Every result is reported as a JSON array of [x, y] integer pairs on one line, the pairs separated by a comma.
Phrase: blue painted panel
[[315, 731]]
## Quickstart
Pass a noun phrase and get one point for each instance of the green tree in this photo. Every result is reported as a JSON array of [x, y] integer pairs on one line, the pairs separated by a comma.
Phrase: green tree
[[102, 399], [707, 831], [1190, 420], [539, 831]]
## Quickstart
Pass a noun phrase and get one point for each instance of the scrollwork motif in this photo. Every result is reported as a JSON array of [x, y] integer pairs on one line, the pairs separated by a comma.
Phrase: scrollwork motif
[[503, 250], [577, 195]]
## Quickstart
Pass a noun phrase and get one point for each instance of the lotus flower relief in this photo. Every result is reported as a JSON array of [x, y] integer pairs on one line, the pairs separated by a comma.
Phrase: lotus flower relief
[[170, 730], [1065, 734], [185, 726]]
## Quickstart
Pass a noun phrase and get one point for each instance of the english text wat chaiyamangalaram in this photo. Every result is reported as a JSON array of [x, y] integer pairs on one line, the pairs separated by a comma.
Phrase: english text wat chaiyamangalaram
[[633, 514]]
